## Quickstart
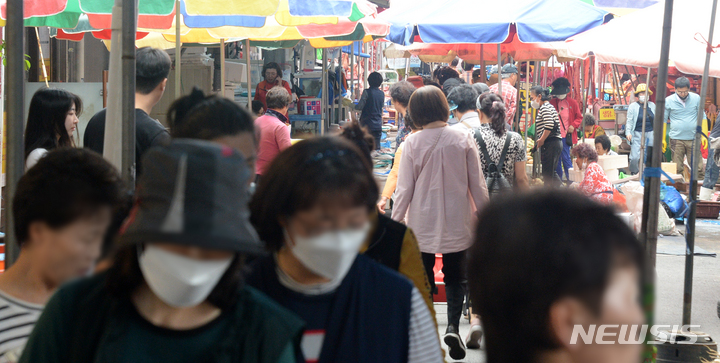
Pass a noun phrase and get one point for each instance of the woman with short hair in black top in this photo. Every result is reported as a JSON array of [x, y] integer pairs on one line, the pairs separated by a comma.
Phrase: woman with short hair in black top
[[547, 129]]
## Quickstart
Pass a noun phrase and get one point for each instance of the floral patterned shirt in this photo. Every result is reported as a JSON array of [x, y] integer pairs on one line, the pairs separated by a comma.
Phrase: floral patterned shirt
[[596, 184]]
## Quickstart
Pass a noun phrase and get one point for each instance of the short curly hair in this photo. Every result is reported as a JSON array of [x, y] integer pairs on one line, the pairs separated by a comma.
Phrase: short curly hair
[[400, 92], [585, 151]]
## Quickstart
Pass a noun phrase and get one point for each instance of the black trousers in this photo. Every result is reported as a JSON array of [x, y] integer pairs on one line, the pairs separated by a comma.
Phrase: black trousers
[[549, 157], [377, 135], [454, 271]]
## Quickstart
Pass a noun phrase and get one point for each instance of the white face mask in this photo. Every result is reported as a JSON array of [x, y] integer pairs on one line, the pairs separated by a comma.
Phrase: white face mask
[[562, 97], [534, 104], [178, 280], [641, 98], [330, 254]]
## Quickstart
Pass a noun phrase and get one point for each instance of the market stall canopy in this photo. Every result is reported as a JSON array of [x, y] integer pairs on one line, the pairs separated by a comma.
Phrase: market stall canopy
[[621, 7], [536, 21], [690, 25], [474, 53]]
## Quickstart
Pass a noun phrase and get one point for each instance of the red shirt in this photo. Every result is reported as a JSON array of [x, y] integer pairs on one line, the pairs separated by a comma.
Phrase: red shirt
[[274, 138], [263, 87], [575, 115]]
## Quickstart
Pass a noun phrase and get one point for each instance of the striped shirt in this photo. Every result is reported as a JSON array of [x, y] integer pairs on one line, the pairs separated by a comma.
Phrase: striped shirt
[[547, 119], [17, 319], [424, 340]]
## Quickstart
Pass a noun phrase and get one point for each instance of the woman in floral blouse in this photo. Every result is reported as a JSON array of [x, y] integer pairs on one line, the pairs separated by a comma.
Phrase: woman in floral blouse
[[595, 183]]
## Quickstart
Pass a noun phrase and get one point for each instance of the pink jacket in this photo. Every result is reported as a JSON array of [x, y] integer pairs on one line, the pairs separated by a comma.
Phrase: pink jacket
[[274, 138], [440, 201]]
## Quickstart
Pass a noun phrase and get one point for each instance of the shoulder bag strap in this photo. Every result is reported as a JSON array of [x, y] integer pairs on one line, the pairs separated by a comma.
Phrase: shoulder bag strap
[[466, 125], [483, 148], [501, 163]]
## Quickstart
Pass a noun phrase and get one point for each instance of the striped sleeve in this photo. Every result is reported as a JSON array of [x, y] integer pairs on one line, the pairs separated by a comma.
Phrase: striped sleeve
[[424, 341]]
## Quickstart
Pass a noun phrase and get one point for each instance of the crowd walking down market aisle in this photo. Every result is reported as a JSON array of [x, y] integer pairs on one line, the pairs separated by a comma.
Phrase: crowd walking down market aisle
[[242, 245]]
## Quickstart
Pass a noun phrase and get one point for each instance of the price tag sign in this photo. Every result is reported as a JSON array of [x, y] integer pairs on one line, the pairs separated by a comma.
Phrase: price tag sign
[[607, 114]]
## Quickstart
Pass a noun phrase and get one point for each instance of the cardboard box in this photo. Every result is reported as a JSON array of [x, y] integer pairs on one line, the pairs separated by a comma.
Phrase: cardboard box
[[670, 168], [576, 176], [612, 174]]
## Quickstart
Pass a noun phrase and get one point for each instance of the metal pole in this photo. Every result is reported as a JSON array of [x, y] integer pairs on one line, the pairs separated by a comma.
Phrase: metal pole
[[499, 71], [222, 67], [15, 91], [366, 61], [527, 99], [178, 51], [651, 200], [324, 98], [616, 73], [642, 136], [352, 68], [690, 235], [545, 79], [246, 52], [482, 63], [582, 98], [129, 28]]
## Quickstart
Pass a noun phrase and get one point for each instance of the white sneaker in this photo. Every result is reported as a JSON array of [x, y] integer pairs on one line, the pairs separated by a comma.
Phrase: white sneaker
[[474, 336]]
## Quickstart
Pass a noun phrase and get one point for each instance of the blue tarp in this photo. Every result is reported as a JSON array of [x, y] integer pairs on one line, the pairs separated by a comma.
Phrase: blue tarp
[[356, 51], [466, 21]]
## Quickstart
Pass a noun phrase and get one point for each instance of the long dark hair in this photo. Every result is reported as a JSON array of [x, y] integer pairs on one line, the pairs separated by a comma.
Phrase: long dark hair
[[46, 119], [311, 172], [493, 107]]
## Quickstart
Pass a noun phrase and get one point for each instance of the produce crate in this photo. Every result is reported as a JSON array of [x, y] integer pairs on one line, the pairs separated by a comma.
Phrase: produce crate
[[708, 209]]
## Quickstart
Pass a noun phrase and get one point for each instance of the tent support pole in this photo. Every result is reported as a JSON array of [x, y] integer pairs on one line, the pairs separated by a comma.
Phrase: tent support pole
[[129, 29], [482, 63], [642, 136], [499, 71], [366, 61], [15, 91], [621, 91], [690, 235], [222, 67], [651, 195], [324, 98], [527, 100], [178, 51], [582, 97], [246, 53]]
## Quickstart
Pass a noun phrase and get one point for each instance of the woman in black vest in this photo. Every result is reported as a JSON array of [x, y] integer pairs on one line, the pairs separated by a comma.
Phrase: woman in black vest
[[313, 211]]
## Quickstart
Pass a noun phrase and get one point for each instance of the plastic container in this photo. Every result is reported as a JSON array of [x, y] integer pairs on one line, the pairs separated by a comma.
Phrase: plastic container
[[608, 162]]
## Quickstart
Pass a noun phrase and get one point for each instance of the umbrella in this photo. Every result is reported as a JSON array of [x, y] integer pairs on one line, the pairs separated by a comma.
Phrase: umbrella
[[621, 7], [535, 20], [687, 42]]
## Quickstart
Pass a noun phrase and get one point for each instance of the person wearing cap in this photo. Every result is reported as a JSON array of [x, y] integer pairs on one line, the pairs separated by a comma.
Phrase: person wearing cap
[[633, 127], [175, 292], [371, 107], [463, 107], [509, 92], [314, 212], [571, 116], [681, 112]]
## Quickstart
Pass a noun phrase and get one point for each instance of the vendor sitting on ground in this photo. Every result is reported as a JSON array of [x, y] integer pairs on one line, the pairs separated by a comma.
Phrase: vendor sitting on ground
[[595, 183], [602, 146], [592, 129]]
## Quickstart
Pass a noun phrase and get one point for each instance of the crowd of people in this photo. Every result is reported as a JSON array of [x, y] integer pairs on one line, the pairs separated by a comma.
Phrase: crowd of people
[[242, 247]]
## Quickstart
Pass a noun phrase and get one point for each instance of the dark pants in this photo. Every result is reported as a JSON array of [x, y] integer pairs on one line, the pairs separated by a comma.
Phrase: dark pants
[[549, 156], [454, 271], [376, 135]]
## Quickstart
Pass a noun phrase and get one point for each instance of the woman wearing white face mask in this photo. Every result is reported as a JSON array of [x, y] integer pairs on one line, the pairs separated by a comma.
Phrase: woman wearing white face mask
[[312, 209], [595, 183], [176, 279]]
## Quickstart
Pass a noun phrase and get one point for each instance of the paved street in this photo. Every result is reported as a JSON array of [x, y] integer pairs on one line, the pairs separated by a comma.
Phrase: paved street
[[670, 272]]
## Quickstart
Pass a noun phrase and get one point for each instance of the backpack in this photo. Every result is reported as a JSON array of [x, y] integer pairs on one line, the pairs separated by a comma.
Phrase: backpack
[[495, 180]]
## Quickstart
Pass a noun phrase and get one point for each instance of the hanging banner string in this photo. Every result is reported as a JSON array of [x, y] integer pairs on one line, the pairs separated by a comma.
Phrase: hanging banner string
[[709, 48]]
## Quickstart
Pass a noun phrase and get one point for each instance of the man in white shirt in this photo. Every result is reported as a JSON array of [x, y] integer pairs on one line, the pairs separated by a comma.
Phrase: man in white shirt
[[462, 100], [62, 210]]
